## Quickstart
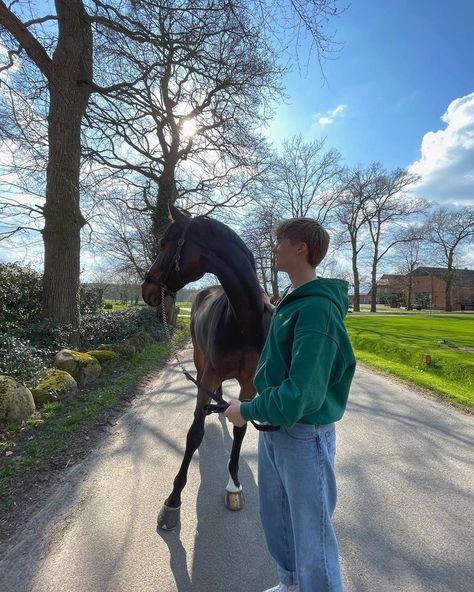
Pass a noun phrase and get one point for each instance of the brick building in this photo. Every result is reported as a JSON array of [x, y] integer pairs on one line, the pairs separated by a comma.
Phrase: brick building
[[391, 290], [428, 289]]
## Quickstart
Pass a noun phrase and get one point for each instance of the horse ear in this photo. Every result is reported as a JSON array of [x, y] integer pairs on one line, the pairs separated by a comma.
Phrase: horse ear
[[176, 215]]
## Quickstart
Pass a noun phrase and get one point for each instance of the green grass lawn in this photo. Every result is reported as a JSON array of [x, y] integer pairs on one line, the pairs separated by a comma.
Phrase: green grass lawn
[[117, 305], [396, 344]]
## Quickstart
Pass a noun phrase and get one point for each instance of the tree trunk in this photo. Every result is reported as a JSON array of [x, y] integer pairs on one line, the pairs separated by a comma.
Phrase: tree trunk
[[449, 284], [171, 314], [355, 274], [72, 63], [449, 306], [263, 273], [274, 279], [410, 290], [373, 292], [160, 221], [160, 215]]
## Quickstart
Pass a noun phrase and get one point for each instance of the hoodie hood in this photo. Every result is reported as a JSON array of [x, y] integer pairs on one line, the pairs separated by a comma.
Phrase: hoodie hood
[[334, 290]]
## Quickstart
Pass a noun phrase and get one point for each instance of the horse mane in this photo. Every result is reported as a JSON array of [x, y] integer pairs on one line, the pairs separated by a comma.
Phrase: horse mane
[[222, 230]]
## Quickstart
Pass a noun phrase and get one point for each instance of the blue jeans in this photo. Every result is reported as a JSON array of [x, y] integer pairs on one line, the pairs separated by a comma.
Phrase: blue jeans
[[297, 493]]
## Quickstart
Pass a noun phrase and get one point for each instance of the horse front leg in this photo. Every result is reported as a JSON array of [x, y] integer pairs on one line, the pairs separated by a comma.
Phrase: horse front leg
[[234, 499], [169, 516]]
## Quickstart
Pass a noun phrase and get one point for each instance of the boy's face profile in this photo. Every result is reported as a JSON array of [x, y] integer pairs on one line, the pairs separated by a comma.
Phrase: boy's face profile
[[290, 255]]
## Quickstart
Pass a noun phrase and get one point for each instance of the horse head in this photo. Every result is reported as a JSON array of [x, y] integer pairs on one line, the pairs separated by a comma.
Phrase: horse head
[[179, 262]]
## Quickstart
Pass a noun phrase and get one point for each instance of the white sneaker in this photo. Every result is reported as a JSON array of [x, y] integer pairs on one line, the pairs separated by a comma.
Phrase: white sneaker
[[284, 588]]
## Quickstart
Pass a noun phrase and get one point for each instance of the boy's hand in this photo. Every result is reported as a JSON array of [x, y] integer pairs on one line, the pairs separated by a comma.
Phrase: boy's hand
[[233, 413]]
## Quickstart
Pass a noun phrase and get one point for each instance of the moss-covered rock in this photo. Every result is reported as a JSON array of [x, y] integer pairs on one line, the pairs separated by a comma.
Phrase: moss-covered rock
[[81, 366], [54, 386], [128, 346], [104, 355], [125, 348], [122, 348], [16, 401], [140, 339]]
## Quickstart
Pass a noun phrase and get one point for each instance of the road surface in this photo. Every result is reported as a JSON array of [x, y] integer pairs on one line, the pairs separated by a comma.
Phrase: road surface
[[404, 516]]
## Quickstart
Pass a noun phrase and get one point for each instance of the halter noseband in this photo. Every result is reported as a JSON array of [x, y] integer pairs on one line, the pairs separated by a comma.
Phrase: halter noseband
[[174, 263]]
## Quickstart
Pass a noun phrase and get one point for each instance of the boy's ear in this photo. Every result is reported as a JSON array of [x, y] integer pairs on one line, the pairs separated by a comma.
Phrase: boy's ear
[[303, 248]]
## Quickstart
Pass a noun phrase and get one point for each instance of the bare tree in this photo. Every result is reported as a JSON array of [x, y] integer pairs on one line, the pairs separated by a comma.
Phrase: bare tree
[[356, 187], [448, 231], [297, 181], [124, 236], [70, 63], [59, 47], [408, 255], [386, 210], [56, 53], [258, 231], [188, 124], [303, 178]]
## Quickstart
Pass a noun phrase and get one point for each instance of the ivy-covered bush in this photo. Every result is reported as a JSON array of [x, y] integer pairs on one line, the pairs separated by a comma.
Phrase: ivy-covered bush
[[27, 349], [22, 360], [117, 325], [44, 334], [20, 295], [90, 299]]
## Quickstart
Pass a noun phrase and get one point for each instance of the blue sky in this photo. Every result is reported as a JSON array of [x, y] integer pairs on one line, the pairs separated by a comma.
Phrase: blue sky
[[401, 64], [399, 91]]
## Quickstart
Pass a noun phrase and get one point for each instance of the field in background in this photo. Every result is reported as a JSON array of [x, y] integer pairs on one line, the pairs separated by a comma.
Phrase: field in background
[[118, 305], [394, 341], [396, 344]]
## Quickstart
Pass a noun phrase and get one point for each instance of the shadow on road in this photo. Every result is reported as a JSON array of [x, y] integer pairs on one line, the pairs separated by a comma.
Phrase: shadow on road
[[228, 546], [401, 505]]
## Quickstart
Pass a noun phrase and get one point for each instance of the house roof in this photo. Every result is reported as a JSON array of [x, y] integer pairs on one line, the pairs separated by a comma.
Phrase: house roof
[[390, 277], [462, 277]]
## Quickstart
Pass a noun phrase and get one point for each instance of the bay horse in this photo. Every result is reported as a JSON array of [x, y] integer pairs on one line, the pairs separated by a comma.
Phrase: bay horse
[[229, 324]]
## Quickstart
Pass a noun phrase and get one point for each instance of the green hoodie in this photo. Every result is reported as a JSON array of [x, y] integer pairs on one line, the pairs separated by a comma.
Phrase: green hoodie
[[306, 367]]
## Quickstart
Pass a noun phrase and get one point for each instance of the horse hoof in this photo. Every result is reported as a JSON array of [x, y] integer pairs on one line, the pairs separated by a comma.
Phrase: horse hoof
[[169, 518], [234, 500]]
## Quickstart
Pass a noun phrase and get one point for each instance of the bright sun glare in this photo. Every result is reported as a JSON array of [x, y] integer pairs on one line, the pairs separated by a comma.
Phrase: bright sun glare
[[188, 128]]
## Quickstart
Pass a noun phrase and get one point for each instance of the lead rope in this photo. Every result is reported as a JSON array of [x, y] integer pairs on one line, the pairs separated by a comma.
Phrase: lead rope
[[221, 403], [168, 332]]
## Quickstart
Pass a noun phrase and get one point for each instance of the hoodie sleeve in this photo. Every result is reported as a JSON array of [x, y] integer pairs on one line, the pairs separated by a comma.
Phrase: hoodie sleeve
[[304, 390]]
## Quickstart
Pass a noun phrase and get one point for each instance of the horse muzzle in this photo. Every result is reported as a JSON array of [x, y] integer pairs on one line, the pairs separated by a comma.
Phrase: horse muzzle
[[151, 293]]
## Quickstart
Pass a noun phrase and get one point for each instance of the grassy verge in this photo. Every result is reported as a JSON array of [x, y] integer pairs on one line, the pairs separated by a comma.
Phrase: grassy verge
[[396, 345], [58, 429]]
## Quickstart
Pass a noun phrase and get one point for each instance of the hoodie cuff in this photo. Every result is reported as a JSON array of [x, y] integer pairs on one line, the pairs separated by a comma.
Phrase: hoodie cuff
[[245, 410]]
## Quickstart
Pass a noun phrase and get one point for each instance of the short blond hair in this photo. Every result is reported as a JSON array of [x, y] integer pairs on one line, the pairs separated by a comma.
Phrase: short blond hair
[[309, 231]]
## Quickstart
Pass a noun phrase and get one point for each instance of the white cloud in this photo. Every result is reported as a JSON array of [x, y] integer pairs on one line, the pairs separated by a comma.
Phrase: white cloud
[[4, 60], [331, 115], [22, 250], [446, 165]]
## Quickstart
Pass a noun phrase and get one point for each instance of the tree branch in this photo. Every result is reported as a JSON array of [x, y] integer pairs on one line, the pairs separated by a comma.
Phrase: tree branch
[[27, 40]]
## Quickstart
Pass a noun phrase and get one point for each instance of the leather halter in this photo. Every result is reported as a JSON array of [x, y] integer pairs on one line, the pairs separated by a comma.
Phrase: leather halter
[[174, 264]]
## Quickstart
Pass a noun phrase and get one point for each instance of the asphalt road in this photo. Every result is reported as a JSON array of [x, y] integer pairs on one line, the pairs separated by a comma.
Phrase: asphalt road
[[404, 517]]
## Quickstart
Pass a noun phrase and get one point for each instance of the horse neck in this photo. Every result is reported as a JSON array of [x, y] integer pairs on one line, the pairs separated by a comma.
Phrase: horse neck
[[240, 284]]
